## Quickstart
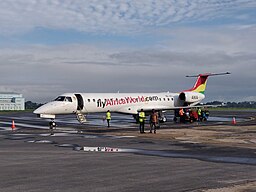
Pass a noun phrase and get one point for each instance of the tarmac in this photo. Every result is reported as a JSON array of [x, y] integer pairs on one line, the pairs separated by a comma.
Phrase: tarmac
[[211, 156]]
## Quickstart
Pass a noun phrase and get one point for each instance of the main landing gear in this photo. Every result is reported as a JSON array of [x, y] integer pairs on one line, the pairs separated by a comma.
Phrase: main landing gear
[[162, 118]]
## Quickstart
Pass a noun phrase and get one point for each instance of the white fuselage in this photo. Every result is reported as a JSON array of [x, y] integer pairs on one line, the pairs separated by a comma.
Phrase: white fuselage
[[129, 103]]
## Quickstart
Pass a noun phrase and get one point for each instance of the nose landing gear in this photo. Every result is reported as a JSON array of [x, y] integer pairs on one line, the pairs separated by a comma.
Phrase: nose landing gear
[[52, 125]]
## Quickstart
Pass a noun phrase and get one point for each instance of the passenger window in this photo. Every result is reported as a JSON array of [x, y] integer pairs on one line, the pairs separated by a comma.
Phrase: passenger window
[[168, 99], [164, 99], [93, 100], [89, 100]]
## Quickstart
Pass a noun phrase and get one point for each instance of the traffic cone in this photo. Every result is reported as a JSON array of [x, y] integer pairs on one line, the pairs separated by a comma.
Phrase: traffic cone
[[13, 125], [234, 121]]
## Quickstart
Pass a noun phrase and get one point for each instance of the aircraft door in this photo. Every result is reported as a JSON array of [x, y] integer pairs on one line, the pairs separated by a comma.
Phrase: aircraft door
[[80, 102]]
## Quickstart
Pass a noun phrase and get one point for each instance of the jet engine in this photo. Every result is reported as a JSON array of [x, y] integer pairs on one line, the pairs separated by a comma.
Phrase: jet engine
[[191, 97]]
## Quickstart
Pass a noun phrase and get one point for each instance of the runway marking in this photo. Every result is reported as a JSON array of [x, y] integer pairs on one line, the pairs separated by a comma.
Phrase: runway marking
[[25, 125], [58, 135], [68, 145], [108, 149], [41, 141], [121, 137], [5, 129], [20, 134]]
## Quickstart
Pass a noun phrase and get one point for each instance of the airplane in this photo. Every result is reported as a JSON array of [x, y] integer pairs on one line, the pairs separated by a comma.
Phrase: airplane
[[81, 104]]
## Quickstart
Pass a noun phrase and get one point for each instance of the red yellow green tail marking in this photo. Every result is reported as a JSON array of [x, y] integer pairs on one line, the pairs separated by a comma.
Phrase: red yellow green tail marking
[[201, 81]]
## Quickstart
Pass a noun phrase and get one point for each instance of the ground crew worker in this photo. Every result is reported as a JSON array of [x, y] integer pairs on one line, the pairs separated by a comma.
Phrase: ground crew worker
[[207, 113], [153, 120], [194, 115], [108, 117], [176, 114], [142, 118], [181, 114], [203, 115], [199, 112]]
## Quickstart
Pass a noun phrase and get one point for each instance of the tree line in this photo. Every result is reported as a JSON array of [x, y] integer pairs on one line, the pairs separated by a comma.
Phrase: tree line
[[243, 104], [32, 105]]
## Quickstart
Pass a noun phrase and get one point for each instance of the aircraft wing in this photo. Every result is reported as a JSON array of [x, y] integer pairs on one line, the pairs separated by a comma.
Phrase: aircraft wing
[[209, 106], [136, 109]]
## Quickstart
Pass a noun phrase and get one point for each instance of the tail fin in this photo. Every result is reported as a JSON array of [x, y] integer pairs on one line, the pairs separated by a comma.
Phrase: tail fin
[[201, 81]]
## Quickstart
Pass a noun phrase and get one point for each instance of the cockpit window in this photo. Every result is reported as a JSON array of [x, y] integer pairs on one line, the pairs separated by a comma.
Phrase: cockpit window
[[68, 99], [63, 98], [60, 98]]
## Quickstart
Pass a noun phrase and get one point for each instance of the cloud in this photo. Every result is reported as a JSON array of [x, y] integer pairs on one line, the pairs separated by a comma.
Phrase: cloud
[[230, 38], [42, 72], [110, 16]]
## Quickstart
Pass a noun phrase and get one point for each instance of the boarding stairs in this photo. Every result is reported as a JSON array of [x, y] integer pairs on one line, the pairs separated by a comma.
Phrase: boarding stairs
[[80, 117]]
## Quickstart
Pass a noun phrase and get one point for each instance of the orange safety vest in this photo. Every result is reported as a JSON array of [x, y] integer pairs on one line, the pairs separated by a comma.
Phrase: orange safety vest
[[181, 112]]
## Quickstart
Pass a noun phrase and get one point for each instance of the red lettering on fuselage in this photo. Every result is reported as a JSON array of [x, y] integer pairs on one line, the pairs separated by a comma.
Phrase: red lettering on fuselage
[[124, 100]]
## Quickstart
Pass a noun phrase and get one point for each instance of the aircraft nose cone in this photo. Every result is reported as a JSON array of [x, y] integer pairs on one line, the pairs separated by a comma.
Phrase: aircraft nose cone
[[45, 109], [36, 111], [39, 110]]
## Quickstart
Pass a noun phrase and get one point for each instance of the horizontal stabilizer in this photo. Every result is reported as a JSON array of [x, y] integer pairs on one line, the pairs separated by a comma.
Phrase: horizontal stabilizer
[[209, 74]]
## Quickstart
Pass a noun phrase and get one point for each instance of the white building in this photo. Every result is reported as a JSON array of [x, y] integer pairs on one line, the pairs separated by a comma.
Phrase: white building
[[11, 101]]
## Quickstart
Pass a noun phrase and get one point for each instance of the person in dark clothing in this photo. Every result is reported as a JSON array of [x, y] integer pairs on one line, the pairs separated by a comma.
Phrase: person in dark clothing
[[153, 121]]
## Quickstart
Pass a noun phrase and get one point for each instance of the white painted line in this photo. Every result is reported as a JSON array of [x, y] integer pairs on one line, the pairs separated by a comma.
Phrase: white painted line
[[57, 134], [41, 141], [107, 149], [6, 129], [120, 137], [25, 125]]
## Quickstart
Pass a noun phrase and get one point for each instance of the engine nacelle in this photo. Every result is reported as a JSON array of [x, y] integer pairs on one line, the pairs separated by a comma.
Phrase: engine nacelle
[[191, 97]]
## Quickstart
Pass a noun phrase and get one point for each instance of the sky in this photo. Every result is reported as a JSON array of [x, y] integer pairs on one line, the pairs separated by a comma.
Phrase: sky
[[49, 47]]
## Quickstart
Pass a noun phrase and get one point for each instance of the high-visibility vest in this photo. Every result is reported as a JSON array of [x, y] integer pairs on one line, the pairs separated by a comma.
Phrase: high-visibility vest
[[141, 116], [181, 112], [108, 115], [199, 111]]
